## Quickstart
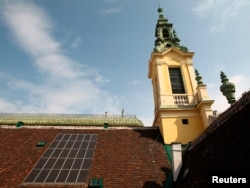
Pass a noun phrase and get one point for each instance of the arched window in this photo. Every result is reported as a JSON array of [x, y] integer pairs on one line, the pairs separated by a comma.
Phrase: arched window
[[168, 45], [165, 33], [176, 80]]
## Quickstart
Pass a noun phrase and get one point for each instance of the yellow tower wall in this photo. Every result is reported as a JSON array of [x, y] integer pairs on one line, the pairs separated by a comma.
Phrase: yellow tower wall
[[170, 108], [173, 130], [172, 60]]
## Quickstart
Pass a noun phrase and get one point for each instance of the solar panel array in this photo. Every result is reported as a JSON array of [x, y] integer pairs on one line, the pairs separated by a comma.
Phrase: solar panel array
[[67, 160]]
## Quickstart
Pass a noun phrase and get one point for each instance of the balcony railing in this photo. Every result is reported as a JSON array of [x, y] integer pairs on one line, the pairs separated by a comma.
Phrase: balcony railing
[[178, 99], [181, 99]]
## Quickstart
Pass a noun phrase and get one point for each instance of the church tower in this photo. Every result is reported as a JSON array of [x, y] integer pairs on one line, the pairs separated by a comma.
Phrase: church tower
[[182, 105]]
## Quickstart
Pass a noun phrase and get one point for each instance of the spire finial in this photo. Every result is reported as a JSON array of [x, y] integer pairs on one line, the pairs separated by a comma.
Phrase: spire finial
[[227, 88], [198, 78], [160, 10]]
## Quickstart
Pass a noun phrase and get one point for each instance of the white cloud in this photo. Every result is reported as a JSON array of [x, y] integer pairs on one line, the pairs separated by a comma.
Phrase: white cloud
[[59, 66], [241, 83], [31, 27], [100, 79], [148, 122], [113, 10], [203, 7], [67, 85], [110, 1], [76, 42], [220, 12], [135, 82], [238, 79], [6, 105], [72, 96]]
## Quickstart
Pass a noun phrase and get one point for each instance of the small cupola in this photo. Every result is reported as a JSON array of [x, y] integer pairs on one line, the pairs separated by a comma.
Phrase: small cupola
[[166, 36]]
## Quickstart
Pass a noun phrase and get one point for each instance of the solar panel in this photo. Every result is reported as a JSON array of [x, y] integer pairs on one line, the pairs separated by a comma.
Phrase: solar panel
[[67, 160]]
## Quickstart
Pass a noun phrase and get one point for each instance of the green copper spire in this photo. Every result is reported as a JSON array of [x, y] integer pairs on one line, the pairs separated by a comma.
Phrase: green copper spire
[[166, 36], [227, 88], [198, 78]]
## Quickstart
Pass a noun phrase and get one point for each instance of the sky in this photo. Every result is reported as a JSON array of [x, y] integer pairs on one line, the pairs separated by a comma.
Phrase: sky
[[91, 57]]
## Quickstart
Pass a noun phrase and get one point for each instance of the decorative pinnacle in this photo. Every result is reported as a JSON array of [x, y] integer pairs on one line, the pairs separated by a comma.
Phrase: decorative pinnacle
[[223, 77], [227, 88], [160, 10], [198, 78]]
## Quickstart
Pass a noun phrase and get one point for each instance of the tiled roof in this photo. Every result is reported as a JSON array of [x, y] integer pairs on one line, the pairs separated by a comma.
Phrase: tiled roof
[[223, 148], [128, 157], [70, 119]]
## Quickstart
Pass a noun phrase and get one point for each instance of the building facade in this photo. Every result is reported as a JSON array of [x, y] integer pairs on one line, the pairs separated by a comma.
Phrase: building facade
[[182, 104]]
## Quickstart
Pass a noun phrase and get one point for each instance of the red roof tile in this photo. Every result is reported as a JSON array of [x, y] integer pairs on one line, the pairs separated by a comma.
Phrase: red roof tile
[[123, 157]]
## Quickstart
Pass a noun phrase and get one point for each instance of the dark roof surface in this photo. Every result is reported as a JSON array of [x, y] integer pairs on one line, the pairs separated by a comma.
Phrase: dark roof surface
[[222, 149], [123, 157]]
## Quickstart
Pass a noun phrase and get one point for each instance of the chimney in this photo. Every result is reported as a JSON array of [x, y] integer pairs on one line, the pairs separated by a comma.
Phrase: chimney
[[176, 159]]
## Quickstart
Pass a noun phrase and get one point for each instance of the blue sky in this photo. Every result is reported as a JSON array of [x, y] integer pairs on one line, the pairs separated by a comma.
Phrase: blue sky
[[82, 56]]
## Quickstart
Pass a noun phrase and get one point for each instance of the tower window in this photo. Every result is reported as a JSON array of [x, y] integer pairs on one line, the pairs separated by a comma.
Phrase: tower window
[[184, 121], [176, 80], [165, 33], [168, 45]]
